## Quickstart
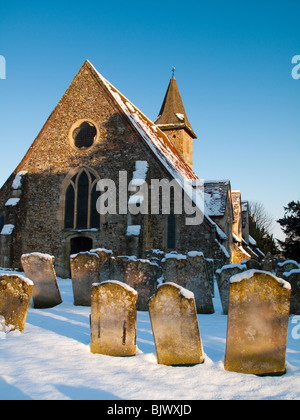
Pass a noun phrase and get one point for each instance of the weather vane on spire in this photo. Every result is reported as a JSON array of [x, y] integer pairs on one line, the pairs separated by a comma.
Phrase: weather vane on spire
[[173, 71]]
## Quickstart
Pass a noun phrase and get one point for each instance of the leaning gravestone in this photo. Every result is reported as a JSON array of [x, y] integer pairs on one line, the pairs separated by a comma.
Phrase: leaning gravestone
[[293, 277], [257, 324], [175, 326], [286, 266], [39, 268], [85, 270], [15, 295], [113, 319], [189, 271], [223, 276]]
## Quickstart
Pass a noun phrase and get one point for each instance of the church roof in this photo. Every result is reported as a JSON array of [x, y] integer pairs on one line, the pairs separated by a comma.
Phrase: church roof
[[157, 141], [215, 195], [172, 114], [152, 135]]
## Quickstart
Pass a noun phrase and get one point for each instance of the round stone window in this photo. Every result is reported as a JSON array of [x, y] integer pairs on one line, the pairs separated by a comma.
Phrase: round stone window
[[83, 134]]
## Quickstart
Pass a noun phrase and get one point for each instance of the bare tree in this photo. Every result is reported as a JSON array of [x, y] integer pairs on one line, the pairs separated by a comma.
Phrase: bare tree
[[260, 216]]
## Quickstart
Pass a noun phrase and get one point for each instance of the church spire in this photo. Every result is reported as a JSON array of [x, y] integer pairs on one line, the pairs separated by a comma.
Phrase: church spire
[[174, 122], [172, 111]]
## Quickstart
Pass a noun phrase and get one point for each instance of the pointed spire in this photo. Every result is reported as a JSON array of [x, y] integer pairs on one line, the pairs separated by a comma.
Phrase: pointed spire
[[172, 112]]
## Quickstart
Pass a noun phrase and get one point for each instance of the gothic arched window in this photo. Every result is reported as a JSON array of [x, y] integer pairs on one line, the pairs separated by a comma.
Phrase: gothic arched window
[[80, 202]]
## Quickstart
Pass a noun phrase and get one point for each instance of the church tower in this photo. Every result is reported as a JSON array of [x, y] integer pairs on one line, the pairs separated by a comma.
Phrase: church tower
[[173, 121]]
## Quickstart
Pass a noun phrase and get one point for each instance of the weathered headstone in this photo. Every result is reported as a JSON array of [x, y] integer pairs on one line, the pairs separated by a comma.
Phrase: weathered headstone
[[175, 326], [223, 276], [268, 262], [189, 271], [15, 295], [85, 270], [252, 264], [113, 319], [210, 270], [286, 266], [103, 254], [114, 268], [293, 277], [257, 324], [142, 275], [39, 268]]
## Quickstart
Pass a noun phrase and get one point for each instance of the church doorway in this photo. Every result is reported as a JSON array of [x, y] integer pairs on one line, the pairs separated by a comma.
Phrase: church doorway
[[81, 244]]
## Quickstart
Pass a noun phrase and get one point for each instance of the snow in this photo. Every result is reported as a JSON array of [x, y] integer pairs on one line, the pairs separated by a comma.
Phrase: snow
[[184, 292], [139, 175], [245, 275], [133, 230], [7, 230], [51, 360], [12, 202], [282, 264], [40, 255], [17, 182], [119, 283]]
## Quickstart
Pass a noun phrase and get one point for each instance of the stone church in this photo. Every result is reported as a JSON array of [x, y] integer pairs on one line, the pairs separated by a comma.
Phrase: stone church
[[49, 203]]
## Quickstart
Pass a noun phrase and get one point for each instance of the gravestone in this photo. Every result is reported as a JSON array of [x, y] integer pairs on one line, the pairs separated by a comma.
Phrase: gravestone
[[39, 268], [175, 326], [210, 270], [223, 276], [103, 254], [85, 270], [142, 275], [189, 271], [268, 262], [293, 277], [15, 295], [252, 264], [114, 268], [257, 324], [286, 266], [113, 319]]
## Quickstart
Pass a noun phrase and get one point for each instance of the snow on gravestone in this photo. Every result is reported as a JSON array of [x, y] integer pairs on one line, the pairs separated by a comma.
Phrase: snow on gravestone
[[189, 271], [140, 274], [286, 266], [113, 319], [223, 276], [175, 326], [15, 295], [257, 323], [39, 268], [85, 270], [293, 277]]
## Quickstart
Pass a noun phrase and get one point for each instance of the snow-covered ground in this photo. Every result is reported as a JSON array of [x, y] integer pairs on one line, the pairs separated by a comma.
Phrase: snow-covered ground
[[51, 359]]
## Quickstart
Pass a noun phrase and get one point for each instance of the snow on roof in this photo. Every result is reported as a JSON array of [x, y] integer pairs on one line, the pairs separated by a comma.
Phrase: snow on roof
[[215, 195]]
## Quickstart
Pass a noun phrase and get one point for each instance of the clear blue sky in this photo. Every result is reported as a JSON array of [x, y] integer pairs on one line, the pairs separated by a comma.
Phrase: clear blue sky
[[233, 69]]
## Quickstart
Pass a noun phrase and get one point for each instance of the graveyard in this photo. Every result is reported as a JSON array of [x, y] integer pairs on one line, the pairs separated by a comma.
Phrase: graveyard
[[110, 346]]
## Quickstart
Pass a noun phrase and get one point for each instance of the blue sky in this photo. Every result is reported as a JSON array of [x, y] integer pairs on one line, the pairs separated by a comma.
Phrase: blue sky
[[233, 68]]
